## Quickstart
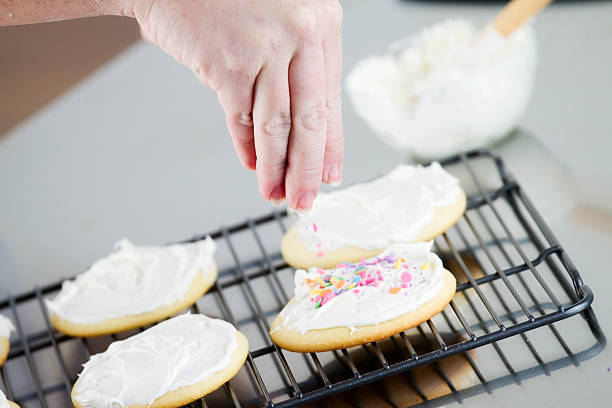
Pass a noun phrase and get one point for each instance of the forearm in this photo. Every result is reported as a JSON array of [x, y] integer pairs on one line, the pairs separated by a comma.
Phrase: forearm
[[15, 12]]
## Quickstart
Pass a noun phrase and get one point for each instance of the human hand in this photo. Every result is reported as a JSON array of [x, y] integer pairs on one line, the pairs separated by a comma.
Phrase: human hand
[[276, 67]]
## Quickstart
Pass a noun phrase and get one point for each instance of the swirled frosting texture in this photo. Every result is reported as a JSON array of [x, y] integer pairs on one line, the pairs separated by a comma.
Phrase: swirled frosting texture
[[176, 353], [132, 280], [398, 281], [6, 327], [393, 208]]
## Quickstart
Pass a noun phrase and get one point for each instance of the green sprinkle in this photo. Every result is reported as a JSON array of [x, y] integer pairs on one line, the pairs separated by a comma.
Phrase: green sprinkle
[[318, 305]]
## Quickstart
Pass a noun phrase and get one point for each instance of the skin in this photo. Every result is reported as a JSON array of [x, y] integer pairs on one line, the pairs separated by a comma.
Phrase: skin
[[274, 64]]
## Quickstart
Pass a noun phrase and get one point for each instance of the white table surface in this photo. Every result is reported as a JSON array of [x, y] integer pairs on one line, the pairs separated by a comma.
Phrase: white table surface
[[140, 150]]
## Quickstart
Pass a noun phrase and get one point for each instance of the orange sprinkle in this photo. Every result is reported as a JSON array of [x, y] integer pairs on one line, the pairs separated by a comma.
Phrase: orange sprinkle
[[339, 284], [310, 281], [325, 292], [394, 290]]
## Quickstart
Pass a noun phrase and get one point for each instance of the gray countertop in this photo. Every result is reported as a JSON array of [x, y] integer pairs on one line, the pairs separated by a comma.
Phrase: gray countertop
[[140, 150]]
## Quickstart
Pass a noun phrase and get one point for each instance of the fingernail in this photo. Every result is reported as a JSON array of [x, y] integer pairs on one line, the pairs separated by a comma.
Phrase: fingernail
[[334, 175], [277, 203], [305, 201], [277, 196]]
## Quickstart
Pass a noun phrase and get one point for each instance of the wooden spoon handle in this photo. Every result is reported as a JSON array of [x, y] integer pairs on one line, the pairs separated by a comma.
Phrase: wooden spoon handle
[[516, 13]]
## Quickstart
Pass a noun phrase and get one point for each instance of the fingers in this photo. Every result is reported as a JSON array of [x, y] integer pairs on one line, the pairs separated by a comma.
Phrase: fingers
[[307, 86], [236, 98], [272, 117], [334, 144]]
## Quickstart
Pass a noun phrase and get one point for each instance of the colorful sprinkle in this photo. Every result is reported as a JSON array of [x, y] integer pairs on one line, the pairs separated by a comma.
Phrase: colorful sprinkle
[[320, 254], [406, 277], [314, 226], [399, 274]]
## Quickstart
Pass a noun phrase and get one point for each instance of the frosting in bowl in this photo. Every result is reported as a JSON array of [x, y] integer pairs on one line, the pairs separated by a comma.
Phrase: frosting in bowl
[[452, 87], [398, 281], [132, 280], [6, 326], [176, 353], [393, 208]]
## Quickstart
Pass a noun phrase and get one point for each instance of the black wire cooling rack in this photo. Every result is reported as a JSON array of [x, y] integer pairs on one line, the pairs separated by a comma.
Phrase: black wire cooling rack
[[513, 275]]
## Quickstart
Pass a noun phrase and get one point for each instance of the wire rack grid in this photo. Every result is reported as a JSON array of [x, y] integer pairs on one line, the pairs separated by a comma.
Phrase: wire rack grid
[[513, 277]]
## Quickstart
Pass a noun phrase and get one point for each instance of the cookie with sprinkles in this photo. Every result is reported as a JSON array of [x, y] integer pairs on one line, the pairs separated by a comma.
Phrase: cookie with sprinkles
[[410, 204], [369, 300]]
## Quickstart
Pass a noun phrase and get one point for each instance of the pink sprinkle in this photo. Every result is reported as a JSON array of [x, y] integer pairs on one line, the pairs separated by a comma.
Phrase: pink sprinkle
[[405, 266], [379, 275], [320, 254], [406, 277], [314, 226], [356, 291], [369, 281], [319, 245], [404, 286], [362, 259], [327, 298], [362, 274], [321, 271]]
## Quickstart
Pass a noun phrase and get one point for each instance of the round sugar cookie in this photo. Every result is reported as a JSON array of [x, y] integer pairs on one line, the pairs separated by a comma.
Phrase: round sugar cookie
[[4, 349], [6, 327], [298, 255], [198, 287], [133, 287], [187, 347], [12, 404], [354, 304], [347, 225]]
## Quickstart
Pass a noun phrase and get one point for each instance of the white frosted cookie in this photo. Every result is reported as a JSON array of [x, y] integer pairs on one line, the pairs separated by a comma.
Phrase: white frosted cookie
[[410, 204], [356, 303], [4, 403], [134, 286], [6, 327], [169, 365]]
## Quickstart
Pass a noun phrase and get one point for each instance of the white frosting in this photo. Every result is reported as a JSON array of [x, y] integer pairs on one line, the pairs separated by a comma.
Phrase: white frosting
[[132, 280], [3, 400], [176, 353], [6, 327], [391, 287], [450, 88], [393, 208]]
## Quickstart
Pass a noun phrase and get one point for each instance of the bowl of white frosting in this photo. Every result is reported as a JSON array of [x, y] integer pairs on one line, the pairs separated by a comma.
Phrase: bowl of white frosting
[[450, 88]]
